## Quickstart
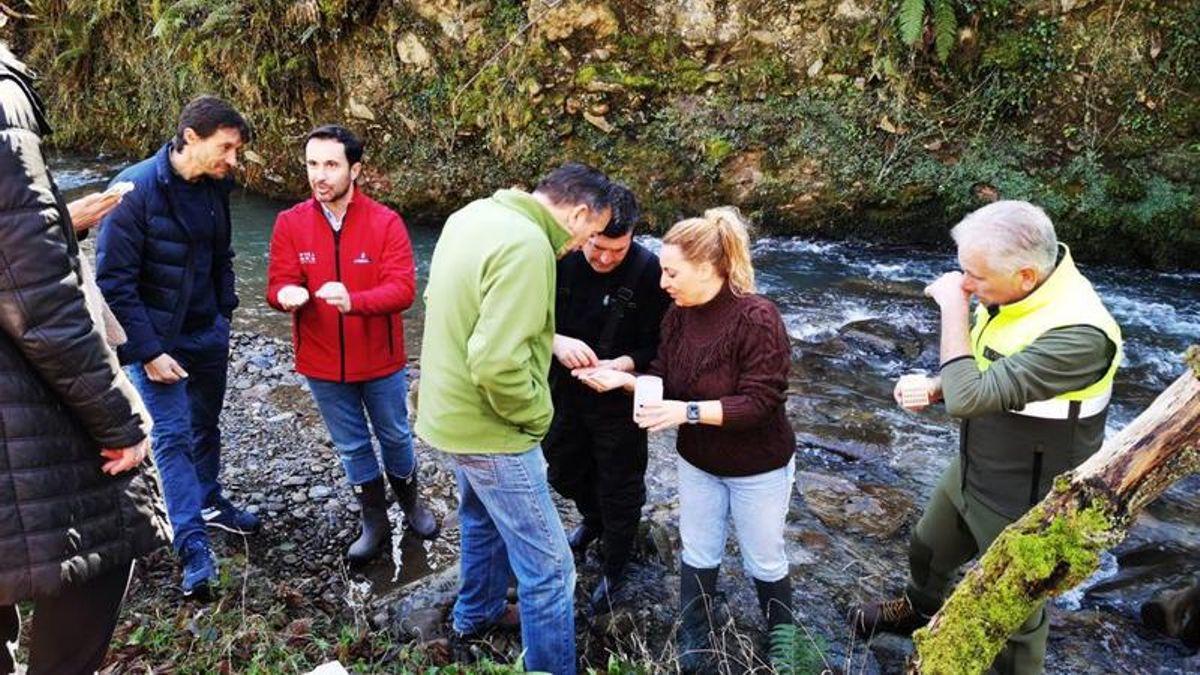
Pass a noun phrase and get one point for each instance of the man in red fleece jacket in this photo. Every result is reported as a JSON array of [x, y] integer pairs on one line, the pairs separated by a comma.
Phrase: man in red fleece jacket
[[342, 264]]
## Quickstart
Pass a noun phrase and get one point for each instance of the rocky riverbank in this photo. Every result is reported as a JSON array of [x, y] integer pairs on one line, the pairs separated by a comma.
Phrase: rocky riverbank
[[288, 601]]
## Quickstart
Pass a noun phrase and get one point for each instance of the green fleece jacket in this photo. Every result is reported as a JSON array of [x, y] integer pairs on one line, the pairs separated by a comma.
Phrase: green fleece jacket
[[489, 325]]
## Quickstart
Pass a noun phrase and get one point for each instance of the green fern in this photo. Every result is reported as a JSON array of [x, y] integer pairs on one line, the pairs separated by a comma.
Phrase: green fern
[[941, 16], [912, 21], [795, 652], [945, 28]]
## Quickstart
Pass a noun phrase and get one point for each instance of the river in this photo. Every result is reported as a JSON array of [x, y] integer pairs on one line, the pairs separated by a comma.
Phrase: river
[[858, 320]]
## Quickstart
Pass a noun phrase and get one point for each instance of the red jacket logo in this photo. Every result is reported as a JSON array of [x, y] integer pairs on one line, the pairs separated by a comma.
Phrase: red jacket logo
[[308, 258], [362, 259]]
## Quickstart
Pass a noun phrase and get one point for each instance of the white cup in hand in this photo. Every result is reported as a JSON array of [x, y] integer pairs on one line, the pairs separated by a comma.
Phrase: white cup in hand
[[291, 297], [647, 389], [914, 391]]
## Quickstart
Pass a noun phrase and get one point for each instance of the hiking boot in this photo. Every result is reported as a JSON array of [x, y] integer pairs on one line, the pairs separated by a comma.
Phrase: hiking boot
[[509, 622], [418, 518], [223, 515], [581, 537], [376, 530], [199, 569], [889, 616]]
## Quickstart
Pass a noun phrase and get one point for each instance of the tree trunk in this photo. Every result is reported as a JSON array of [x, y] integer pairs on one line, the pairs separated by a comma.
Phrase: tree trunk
[[1056, 545]]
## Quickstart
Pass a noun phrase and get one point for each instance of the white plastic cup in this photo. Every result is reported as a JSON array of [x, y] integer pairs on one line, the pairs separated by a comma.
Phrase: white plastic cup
[[647, 389], [914, 391]]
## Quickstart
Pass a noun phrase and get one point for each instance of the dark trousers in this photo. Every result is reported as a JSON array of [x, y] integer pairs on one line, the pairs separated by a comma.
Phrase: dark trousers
[[955, 529], [71, 632], [597, 459]]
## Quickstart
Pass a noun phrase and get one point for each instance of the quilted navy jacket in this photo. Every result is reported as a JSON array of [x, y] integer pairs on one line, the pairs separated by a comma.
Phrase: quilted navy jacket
[[62, 395], [145, 260]]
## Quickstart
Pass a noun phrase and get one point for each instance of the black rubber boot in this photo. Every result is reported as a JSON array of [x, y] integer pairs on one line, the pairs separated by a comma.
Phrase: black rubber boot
[[696, 590], [605, 593], [376, 530], [775, 600], [581, 537], [416, 515]]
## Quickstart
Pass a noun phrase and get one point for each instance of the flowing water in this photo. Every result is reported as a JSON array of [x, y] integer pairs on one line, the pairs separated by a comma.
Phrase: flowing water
[[858, 320]]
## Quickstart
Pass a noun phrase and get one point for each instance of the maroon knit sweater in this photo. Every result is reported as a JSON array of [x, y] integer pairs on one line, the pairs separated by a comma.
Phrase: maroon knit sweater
[[734, 349]]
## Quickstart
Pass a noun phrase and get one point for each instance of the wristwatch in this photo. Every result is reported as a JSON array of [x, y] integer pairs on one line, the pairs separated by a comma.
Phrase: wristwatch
[[693, 412]]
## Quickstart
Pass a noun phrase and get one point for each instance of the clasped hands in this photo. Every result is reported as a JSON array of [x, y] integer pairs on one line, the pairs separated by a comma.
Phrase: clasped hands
[[292, 297]]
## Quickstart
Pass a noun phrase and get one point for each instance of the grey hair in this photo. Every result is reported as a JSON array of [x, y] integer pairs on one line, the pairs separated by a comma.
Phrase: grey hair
[[1015, 234]]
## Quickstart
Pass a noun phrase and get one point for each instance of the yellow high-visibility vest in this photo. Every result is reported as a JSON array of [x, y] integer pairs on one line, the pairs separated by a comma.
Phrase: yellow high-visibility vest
[[1064, 299]]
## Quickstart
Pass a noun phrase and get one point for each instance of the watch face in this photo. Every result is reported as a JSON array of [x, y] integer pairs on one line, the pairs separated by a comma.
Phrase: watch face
[[693, 412]]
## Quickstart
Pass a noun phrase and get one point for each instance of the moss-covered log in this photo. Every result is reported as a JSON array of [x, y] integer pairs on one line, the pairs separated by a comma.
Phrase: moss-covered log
[[815, 116], [1057, 544]]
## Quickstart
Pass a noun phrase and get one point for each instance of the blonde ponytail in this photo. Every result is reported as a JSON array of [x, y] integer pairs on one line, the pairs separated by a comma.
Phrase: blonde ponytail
[[720, 238], [735, 247]]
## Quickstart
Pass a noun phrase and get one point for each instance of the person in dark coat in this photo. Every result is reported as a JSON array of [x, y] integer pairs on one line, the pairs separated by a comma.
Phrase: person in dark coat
[[607, 312], [77, 504], [164, 261]]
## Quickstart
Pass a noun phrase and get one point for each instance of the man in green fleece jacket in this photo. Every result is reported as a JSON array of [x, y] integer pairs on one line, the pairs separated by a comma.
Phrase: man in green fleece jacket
[[485, 399], [1030, 379]]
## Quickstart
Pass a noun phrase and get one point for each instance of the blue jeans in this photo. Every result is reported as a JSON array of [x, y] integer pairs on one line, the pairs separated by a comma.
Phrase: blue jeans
[[384, 399], [508, 524], [186, 434], [759, 507]]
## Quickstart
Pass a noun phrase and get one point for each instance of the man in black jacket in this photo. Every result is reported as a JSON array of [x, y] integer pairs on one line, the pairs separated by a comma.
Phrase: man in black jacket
[[608, 309], [164, 261], [75, 506]]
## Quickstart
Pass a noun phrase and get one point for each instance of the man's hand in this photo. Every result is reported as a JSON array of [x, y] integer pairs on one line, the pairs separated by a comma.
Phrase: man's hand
[[933, 386], [661, 415], [164, 370], [574, 354], [124, 459], [335, 293], [948, 291], [955, 305], [87, 211], [604, 379], [292, 297], [624, 364]]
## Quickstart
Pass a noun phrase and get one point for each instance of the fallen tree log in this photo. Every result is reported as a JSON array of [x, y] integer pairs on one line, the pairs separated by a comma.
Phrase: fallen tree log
[[1056, 545]]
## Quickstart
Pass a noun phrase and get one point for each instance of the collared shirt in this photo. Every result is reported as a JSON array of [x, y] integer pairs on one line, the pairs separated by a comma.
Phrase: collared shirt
[[334, 221]]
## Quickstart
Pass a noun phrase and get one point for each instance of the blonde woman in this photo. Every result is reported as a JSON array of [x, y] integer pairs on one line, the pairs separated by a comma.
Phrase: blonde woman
[[724, 357]]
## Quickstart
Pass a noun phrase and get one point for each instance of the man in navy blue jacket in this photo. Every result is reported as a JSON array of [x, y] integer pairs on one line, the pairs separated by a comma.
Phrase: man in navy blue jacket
[[165, 266]]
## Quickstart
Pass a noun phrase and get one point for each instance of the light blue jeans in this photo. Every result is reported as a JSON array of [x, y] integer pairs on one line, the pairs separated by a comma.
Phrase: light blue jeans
[[509, 523], [759, 506], [342, 406]]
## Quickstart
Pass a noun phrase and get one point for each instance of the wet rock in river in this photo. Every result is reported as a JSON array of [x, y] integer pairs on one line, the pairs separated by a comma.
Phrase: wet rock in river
[[879, 337], [852, 449], [1175, 612], [840, 504], [873, 287]]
